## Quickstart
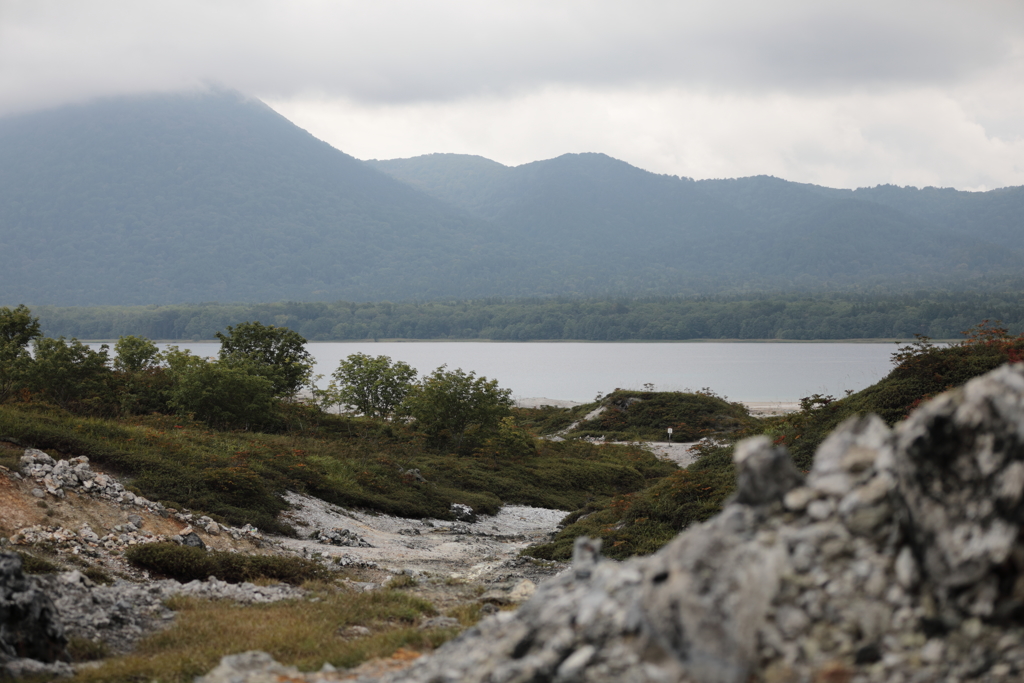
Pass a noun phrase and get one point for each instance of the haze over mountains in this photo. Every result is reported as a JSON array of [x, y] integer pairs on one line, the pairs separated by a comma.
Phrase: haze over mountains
[[215, 197]]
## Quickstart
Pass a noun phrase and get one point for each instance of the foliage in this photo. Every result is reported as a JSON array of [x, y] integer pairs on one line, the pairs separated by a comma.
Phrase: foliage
[[240, 476], [186, 563], [374, 386], [135, 354], [647, 415], [275, 353], [69, 373], [222, 394], [640, 522], [17, 330], [31, 564], [302, 633], [883, 315], [922, 370], [449, 404]]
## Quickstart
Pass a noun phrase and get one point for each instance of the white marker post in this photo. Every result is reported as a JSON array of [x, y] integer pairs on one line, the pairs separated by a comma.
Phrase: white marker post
[[669, 433]]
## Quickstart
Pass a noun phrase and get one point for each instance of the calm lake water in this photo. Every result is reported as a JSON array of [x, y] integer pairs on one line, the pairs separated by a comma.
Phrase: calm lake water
[[577, 371]]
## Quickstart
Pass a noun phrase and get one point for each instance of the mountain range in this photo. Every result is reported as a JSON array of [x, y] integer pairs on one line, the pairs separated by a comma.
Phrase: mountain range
[[215, 197]]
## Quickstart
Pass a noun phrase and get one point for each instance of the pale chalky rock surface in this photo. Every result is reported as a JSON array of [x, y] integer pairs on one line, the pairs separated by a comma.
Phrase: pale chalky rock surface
[[898, 559]]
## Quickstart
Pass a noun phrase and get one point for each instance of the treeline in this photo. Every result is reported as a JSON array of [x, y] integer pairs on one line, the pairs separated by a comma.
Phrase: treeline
[[868, 316]]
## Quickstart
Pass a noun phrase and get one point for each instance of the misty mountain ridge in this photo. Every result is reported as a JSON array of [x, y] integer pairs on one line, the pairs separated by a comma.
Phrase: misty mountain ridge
[[214, 196]]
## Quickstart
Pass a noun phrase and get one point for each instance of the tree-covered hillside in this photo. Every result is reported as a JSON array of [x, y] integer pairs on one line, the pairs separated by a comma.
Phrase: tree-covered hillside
[[937, 314], [733, 234], [168, 199], [202, 197]]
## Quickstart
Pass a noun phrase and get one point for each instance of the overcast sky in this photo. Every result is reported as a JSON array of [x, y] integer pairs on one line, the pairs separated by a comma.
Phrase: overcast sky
[[844, 94]]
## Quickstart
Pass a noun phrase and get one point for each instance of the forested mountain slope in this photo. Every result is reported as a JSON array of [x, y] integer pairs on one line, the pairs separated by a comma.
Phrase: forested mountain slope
[[214, 197], [758, 231]]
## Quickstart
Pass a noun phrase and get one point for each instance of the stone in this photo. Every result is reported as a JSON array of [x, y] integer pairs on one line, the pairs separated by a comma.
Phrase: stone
[[463, 513], [251, 665], [192, 540], [764, 474], [437, 622], [522, 591], [957, 452], [30, 627]]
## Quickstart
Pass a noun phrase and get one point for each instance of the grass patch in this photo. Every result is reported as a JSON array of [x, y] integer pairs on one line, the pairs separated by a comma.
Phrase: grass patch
[[31, 564], [185, 563], [549, 419], [299, 633], [641, 522], [97, 575], [239, 477], [402, 581], [647, 415], [85, 650]]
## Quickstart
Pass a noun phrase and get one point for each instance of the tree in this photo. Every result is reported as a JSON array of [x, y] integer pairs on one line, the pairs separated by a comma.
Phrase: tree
[[276, 353], [373, 385], [135, 354], [67, 372], [17, 330], [142, 383], [219, 393], [450, 404]]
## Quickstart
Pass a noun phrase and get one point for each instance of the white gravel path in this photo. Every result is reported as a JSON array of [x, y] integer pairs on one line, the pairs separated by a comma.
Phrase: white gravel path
[[432, 545]]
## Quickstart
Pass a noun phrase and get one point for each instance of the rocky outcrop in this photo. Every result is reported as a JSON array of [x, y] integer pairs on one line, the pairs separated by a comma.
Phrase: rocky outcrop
[[123, 612], [899, 558], [56, 477], [30, 629]]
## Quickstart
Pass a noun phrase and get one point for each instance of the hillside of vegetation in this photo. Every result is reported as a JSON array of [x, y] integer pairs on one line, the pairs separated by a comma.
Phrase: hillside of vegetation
[[779, 234], [167, 199], [206, 197], [640, 522], [227, 437], [940, 315]]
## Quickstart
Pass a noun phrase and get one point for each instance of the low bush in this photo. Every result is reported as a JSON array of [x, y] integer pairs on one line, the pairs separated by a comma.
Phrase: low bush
[[647, 415], [30, 564], [640, 522], [303, 633], [185, 563]]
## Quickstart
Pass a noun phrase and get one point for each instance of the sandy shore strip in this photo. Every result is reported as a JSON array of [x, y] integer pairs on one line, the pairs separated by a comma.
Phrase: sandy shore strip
[[756, 408]]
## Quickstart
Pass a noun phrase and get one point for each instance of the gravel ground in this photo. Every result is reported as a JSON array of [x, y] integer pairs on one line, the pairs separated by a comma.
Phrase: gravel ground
[[463, 550]]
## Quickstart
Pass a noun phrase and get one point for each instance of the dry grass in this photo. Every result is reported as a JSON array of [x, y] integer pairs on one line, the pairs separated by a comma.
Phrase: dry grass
[[303, 633]]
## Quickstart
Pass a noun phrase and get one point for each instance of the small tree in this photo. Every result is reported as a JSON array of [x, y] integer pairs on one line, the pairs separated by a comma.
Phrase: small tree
[[373, 385], [17, 330], [135, 354], [142, 383], [276, 353], [449, 404], [218, 393], [67, 372]]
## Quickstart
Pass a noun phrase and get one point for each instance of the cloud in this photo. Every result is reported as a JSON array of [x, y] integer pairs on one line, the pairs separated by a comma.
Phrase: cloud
[[414, 51], [918, 137], [842, 93]]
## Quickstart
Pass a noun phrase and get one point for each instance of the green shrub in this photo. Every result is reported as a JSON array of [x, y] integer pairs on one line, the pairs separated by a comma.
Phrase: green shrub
[[30, 564], [223, 394], [185, 563], [647, 415], [85, 650]]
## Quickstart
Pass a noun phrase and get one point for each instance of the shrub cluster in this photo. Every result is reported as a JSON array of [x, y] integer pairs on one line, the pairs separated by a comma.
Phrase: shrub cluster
[[185, 563]]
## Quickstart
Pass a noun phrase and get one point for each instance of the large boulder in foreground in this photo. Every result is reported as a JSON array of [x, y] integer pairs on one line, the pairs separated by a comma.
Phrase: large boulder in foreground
[[898, 558], [30, 629]]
